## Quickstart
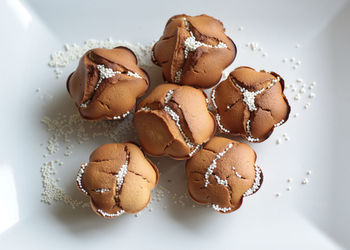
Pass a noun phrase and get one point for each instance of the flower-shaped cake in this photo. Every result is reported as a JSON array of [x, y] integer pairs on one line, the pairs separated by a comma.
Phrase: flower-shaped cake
[[250, 103], [174, 120], [194, 50], [222, 174], [118, 179], [107, 83]]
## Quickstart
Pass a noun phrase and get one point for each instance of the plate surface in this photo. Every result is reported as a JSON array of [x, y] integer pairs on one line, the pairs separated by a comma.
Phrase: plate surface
[[309, 216]]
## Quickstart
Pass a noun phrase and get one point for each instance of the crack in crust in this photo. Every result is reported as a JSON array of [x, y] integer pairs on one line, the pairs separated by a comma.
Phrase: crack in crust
[[187, 44], [191, 44], [201, 188], [98, 174], [101, 74], [171, 109], [250, 93]]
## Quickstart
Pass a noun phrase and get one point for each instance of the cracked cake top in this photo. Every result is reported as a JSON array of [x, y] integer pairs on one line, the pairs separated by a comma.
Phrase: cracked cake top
[[222, 173], [193, 50], [250, 103], [107, 83], [174, 120], [118, 179]]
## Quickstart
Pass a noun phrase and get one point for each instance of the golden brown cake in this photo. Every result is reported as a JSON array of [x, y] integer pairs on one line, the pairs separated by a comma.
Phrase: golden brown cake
[[174, 120], [107, 83], [118, 179], [222, 173], [194, 50], [250, 103]]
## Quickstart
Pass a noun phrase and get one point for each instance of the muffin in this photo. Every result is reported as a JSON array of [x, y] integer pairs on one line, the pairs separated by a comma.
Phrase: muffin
[[106, 83], [189, 46], [222, 173], [174, 120], [250, 103], [118, 179]]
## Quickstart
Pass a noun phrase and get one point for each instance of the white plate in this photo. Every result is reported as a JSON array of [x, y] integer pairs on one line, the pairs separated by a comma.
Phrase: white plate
[[312, 216]]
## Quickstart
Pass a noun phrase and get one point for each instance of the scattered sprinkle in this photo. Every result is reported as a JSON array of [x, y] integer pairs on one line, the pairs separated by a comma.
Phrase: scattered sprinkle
[[289, 188], [305, 181], [289, 180], [278, 194], [296, 115], [312, 95], [240, 28], [309, 172], [278, 141]]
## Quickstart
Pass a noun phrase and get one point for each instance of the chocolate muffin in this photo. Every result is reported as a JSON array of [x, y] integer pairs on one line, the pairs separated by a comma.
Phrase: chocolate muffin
[[118, 179], [250, 103], [174, 120], [107, 83], [222, 173], [189, 46]]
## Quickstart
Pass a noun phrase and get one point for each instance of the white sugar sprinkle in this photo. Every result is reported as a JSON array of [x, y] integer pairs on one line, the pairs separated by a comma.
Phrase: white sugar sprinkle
[[256, 184], [278, 194], [278, 141], [249, 97], [307, 105], [222, 128], [296, 115], [299, 80], [289, 180], [79, 177], [221, 209], [279, 123], [289, 188], [118, 213], [213, 165], [292, 59], [240, 28], [309, 172], [213, 99], [312, 95], [305, 181]]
